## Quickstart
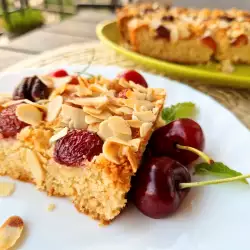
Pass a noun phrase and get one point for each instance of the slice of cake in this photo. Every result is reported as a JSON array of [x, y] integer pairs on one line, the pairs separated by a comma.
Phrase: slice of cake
[[186, 35], [78, 137]]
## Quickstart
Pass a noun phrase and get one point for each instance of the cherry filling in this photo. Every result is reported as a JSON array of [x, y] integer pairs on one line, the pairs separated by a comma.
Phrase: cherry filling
[[10, 125], [76, 147]]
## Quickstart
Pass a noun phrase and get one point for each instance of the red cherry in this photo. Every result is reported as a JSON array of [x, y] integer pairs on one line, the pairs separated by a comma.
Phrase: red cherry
[[155, 188], [132, 75], [59, 73], [185, 132]]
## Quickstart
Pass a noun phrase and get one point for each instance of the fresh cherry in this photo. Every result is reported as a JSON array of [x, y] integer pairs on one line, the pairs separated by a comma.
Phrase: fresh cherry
[[165, 140], [59, 73], [132, 75], [155, 190]]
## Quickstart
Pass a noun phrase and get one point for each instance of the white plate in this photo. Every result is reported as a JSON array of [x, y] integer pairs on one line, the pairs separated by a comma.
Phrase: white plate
[[214, 217]]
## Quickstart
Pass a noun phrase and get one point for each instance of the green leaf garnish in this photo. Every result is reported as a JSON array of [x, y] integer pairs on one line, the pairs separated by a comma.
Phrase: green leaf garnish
[[179, 110], [217, 169]]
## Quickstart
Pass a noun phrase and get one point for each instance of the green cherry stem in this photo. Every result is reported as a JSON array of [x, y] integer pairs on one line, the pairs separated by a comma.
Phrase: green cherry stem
[[205, 157], [212, 182]]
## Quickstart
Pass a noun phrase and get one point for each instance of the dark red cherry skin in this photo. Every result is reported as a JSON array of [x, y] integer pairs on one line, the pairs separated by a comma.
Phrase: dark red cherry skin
[[59, 73], [155, 190], [132, 75], [185, 132]]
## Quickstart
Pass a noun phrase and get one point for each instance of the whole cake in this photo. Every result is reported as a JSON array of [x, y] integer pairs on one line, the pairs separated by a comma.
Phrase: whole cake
[[78, 137], [186, 35]]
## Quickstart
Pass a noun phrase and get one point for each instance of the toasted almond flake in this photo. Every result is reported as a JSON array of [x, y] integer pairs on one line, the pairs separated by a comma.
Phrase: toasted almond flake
[[4, 98], [111, 151], [35, 166], [91, 111], [7, 104], [160, 122], [135, 144], [54, 108], [97, 88], [110, 93], [102, 116], [122, 82], [83, 91], [119, 125], [10, 232], [47, 80], [91, 119], [159, 91], [159, 102], [134, 123], [134, 117], [124, 110], [37, 105], [155, 110], [132, 102], [90, 101], [58, 91], [128, 152], [82, 81], [73, 116], [29, 114], [51, 207], [6, 188], [145, 116], [112, 108], [61, 81], [150, 96], [118, 141], [137, 87], [144, 129], [104, 130], [94, 127], [122, 136], [58, 135], [117, 101]]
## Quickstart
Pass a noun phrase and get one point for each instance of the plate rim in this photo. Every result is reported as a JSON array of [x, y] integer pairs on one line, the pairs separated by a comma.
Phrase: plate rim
[[224, 80]]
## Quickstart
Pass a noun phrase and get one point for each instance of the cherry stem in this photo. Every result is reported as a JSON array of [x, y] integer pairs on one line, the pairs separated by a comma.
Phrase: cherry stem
[[205, 157], [205, 183]]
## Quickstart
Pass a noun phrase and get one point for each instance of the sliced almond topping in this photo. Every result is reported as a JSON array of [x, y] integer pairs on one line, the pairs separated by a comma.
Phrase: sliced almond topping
[[35, 166], [137, 87], [73, 116], [104, 130], [144, 129], [6, 188], [160, 122], [91, 111], [155, 110], [145, 116], [58, 135], [150, 96], [10, 232], [43, 107], [136, 95], [128, 152], [122, 136], [7, 104], [47, 80], [90, 101], [134, 123], [94, 127], [113, 108], [97, 88], [61, 81], [159, 91], [54, 108], [119, 125], [91, 119], [51, 207], [118, 141], [102, 116], [132, 102], [83, 91], [29, 114], [123, 83], [111, 151], [124, 110], [110, 93], [135, 144]]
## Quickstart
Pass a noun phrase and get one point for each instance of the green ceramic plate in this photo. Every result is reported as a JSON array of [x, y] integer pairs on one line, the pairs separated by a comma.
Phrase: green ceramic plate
[[108, 33]]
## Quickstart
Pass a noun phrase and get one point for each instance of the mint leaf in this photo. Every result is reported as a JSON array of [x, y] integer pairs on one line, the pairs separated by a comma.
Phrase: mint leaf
[[179, 110], [217, 169]]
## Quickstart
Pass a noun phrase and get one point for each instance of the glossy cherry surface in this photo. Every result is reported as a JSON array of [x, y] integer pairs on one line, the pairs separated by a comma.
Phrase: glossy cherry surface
[[132, 75], [59, 73], [185, 132], [155, 189]]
